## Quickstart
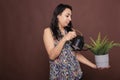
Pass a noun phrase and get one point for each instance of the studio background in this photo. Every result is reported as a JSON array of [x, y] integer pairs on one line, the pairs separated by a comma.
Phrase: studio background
[[22, 22]]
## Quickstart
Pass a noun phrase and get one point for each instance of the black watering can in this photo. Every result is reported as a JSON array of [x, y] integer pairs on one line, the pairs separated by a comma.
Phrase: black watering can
[[77, 43]]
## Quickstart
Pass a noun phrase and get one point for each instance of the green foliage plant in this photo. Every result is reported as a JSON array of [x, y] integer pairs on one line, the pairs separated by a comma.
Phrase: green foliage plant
[[101, 46]]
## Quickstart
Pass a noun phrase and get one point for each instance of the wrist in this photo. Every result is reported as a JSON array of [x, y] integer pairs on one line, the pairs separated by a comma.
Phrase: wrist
[[94, 67], [63, 39]]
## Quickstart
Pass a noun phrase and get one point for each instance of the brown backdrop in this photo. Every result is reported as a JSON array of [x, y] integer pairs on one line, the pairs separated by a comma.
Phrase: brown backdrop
[[22, 53]]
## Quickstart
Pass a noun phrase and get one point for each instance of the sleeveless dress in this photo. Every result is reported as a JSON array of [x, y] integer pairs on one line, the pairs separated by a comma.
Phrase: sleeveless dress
[[65, 66]]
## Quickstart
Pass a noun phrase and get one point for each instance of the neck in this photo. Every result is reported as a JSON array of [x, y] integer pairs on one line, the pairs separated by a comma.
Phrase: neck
[[62, 30]]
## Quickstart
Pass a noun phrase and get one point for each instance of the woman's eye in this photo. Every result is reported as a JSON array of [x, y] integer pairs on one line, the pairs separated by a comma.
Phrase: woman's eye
[[67, 16]]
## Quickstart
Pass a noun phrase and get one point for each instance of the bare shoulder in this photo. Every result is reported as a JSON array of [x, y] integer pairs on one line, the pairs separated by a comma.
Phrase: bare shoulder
[[47, 29], [47, 36], [47, 32]]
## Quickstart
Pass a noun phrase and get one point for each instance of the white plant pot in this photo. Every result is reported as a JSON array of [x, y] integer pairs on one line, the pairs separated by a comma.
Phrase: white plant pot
[[102, 61]]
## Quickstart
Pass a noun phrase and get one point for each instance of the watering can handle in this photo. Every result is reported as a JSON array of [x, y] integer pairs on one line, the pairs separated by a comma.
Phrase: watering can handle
[[78, 32]]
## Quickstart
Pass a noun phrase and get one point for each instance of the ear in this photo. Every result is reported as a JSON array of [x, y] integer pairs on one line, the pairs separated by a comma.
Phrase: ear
[[58, 16]]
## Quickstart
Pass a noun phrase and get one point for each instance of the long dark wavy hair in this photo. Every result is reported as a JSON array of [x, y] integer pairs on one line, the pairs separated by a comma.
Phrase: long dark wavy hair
[[54, 22]]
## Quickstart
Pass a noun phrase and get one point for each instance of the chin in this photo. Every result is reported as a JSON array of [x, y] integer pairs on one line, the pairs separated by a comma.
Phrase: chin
[[65, 25]]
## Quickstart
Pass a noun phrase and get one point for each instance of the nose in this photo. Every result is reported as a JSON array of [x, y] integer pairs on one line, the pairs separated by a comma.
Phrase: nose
[[70, 18]]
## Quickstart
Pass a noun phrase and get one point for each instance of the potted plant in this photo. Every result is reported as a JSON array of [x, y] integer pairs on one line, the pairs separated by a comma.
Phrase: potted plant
[[100, 47]]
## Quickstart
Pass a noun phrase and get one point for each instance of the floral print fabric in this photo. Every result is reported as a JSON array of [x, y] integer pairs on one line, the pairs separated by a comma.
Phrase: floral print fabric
[[66, 66]]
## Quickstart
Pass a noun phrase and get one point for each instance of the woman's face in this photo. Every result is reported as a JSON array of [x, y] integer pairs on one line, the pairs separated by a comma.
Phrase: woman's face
[[64, 18]]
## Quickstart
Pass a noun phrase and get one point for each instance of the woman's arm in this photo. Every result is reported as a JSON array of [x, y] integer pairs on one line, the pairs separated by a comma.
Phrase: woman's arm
[[54, 51], [84, 60]]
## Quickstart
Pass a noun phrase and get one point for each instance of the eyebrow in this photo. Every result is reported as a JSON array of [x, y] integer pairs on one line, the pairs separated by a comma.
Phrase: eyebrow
[[69, 14]]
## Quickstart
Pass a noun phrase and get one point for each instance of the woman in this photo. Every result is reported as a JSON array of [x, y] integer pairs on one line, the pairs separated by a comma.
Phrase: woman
[[64, 63]]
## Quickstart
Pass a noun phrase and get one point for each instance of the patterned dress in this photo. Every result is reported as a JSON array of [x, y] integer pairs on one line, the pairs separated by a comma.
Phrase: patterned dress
[[66, 66]]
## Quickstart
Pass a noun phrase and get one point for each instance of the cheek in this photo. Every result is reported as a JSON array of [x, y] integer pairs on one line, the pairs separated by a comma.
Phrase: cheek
[[63, 21]]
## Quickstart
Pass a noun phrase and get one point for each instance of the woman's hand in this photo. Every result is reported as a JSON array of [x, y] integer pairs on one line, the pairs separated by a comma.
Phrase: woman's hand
[[70, 35], [102, 68]]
